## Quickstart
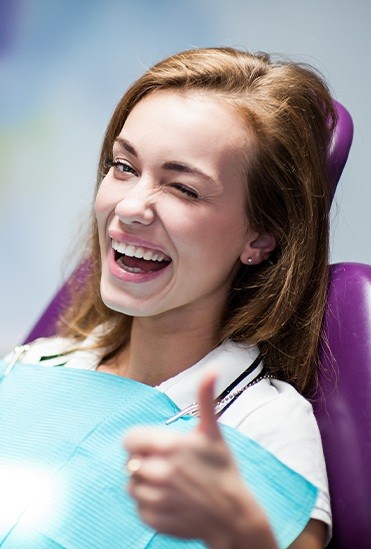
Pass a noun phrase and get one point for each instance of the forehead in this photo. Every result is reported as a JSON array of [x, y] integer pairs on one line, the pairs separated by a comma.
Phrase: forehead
[[185, 121]]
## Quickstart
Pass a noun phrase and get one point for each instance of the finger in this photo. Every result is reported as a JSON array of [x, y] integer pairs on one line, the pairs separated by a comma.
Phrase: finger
[[208, 424], [152, 470], [149, 495]]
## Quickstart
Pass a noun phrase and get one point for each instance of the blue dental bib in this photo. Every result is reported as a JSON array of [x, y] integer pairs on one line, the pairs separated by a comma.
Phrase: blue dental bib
[[62, 475]]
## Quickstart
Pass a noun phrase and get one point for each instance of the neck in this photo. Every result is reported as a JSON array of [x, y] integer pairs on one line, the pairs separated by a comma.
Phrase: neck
[[163, 346]]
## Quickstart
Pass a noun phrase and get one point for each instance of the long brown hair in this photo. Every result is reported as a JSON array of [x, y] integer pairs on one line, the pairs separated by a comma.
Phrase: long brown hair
[[278, 304]]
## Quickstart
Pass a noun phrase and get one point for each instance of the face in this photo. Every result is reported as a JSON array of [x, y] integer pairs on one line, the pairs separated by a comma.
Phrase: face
[[170, 210]]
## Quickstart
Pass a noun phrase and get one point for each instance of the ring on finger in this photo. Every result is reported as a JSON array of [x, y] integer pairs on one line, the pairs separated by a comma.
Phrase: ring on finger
[[133, 465]]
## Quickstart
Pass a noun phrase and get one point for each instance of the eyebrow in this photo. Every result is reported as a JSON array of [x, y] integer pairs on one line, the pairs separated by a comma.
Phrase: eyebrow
[[168, 166], [126, 145], [185, 168]]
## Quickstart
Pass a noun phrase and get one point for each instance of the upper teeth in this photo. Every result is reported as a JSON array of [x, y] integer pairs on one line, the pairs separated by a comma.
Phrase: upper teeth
[[138, 251]]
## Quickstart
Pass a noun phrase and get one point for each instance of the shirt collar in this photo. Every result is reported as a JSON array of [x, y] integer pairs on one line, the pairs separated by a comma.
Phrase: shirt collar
[[230, 359]]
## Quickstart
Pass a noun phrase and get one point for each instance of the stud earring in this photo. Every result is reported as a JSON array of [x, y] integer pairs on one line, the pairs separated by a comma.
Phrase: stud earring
[[249, 260]]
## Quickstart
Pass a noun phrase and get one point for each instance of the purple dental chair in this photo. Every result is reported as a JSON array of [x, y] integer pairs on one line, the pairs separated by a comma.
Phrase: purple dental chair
[[343, 402]]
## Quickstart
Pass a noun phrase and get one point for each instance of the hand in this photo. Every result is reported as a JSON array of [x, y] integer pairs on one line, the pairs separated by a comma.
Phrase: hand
[[189, 485]]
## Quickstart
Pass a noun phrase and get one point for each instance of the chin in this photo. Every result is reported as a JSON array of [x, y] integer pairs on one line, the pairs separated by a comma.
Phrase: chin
[[117, 305], [123, 306]]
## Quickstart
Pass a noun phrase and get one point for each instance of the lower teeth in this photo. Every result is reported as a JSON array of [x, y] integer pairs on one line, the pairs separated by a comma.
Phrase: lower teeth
[[133, 269], [127, 268]]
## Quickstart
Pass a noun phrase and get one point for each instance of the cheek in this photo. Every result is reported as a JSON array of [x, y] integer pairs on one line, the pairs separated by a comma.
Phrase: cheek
[[205, 238], [103, 211], [101, 200], [225, 238], [104, 204]]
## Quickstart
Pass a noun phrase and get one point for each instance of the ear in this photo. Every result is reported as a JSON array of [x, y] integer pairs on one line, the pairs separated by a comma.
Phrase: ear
[[258, 249]]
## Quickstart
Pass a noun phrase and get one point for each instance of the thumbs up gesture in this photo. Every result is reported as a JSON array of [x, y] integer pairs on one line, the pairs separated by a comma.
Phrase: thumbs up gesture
[[188, 485]]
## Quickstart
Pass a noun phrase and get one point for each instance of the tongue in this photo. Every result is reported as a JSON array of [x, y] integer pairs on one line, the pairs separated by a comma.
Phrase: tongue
[[144, 265]]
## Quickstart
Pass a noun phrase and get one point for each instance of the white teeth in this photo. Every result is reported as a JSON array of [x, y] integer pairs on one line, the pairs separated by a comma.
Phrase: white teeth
[[130, 251], [119, 246], [138, 251], [147, 255]]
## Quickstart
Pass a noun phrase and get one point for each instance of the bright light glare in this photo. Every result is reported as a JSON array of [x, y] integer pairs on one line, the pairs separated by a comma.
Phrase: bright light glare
[[24, 489]]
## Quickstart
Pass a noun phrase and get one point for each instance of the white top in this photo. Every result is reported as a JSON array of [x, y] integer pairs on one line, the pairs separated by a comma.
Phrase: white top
[[271, 412]]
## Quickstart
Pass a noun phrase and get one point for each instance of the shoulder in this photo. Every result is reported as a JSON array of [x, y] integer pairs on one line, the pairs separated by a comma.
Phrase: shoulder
[[276, 416], [61, 351], [43, 349], [270, 409]]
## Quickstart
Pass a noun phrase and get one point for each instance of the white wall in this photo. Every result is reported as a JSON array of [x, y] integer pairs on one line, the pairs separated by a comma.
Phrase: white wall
[[64, 64]]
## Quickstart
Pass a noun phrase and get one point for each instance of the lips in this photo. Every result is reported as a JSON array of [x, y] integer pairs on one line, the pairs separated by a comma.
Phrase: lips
[[138, 259]]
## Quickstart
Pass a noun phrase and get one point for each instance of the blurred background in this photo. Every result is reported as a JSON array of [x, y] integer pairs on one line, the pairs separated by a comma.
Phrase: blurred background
[[64, 65]]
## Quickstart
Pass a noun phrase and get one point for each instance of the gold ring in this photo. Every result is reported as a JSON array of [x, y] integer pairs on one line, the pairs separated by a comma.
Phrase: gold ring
[[133, 465]]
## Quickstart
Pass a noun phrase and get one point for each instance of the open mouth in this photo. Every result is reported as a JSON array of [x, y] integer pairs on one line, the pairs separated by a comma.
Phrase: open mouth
[[135, 259]]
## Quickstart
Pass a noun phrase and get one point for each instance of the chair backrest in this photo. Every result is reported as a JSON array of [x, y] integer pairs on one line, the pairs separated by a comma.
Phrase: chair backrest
[[340, 145], [46, 325], [343, 404]]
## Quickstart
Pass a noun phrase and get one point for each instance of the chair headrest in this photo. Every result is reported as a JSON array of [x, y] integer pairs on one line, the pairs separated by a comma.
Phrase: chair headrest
[[340, 145]]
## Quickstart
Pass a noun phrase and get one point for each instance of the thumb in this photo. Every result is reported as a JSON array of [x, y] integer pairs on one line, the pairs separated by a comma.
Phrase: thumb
[[208, 424]]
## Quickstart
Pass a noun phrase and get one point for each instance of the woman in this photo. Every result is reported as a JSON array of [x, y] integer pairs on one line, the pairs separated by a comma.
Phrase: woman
[[209, 248]]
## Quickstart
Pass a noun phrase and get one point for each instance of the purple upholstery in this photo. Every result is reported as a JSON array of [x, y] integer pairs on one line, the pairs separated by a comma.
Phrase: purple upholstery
[[340, 146], [343, 410], [343, 405], [46, 325]]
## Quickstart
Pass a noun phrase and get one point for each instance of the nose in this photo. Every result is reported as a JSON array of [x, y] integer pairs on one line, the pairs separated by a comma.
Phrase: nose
[[137, 206]]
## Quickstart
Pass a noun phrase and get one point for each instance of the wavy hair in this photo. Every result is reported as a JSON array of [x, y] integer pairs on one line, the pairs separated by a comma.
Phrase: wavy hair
[[278, 304]]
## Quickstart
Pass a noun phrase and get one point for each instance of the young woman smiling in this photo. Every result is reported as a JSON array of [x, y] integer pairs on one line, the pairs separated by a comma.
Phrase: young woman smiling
[[208, 258]]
